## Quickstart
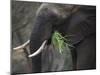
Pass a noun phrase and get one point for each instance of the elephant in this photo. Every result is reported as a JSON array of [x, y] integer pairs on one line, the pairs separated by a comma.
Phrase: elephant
[[76, 20]]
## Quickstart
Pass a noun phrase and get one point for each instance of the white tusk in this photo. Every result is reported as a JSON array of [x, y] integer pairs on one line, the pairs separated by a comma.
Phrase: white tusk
[[39, 50], [22, 46]]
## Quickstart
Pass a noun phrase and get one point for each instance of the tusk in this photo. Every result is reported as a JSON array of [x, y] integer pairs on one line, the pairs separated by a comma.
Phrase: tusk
[[22, 46], [39, 50]]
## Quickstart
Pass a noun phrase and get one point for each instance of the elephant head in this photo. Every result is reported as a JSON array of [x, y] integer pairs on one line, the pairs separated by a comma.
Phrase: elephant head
[[48, 19]]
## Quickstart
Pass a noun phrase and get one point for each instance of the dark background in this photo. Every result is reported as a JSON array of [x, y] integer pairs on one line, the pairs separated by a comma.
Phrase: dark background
[[23, 14], [22, 17]]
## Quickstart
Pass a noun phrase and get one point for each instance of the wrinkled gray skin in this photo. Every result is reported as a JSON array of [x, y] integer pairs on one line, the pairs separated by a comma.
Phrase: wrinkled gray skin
[[78, 21]]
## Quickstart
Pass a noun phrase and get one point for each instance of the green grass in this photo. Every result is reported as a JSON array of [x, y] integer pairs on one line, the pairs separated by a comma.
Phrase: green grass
[[60, 42]]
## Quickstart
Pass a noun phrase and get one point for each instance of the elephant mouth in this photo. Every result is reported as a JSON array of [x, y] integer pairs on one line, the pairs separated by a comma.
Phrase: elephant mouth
[[39, 50]]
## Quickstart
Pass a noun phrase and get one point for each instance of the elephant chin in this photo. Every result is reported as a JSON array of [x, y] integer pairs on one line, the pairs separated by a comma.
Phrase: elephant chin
[[39, 50]]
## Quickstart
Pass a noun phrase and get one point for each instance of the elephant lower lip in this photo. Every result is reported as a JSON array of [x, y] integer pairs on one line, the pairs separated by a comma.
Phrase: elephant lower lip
[[39, 50]]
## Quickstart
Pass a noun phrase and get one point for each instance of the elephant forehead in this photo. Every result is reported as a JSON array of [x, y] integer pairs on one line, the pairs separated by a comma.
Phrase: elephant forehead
[[61, 10]]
